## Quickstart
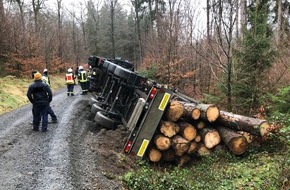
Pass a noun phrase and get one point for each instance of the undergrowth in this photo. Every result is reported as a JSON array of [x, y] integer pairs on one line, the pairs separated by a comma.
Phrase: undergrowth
[[13, 91], [258, 169], [263, 166]]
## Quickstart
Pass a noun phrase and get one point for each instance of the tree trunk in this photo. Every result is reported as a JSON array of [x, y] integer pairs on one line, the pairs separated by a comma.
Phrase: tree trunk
[[279, 22], [236, 142], [154, 155], [197, 138], [162, 143], [192, 148], [168, 128], [174, 111], [209, 112], [180, 145], [200, 124], [254, 126], [210, 137], [202, 150], [187, 130], [192, 110]]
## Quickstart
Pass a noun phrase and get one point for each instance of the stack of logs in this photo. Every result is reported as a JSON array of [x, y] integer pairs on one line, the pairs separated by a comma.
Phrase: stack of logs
[[196, 129]]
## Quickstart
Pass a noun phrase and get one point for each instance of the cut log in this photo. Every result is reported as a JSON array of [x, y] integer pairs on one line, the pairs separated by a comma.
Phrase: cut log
[[200, 124], [162, 142], [202, 150], [197, 138], [254, 126], [168, 128], [236, 142], [174, 111], [154, 155], [210, 137], [187, 130], [180, 145], [192, 148], [190, 111], [208, 112]]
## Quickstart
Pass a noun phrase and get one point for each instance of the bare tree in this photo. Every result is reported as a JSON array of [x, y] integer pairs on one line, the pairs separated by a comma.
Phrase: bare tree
[[37, 6], [279, 22], [243, 16], [59, 28]]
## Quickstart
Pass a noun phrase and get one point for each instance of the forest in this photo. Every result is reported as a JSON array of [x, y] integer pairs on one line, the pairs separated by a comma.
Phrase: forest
[[234, 53]]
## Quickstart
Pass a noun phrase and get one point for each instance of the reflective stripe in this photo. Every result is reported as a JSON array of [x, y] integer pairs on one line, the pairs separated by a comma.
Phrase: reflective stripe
[[143, 147], [164, 101], [83, 76]]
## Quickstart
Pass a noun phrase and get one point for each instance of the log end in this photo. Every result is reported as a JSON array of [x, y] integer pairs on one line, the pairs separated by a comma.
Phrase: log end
[[174, 111], [195, 114], [212, 139], [168, 128], [238, 145], [162, 142], [212, 113], [202, 150], [155, 155], [265, 128]]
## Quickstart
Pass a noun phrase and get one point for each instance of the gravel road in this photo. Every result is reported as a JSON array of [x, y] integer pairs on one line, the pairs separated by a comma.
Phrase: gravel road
[[73, 154]]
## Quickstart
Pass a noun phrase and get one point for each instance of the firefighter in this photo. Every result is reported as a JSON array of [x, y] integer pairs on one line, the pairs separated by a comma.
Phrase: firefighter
[[46, 80], [45, 77], [77, 73], [40, 95], [70, 82], [83, 80]]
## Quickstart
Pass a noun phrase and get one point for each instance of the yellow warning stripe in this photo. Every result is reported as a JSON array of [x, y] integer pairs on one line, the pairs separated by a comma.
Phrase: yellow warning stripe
[[143, 148], [164, 101]]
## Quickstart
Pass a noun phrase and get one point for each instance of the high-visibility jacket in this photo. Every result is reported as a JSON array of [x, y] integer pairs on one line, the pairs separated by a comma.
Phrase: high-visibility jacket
[[83, 76], [69, 78]]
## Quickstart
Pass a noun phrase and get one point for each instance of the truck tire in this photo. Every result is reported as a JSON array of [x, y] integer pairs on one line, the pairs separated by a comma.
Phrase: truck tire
[[106, 122], [92, 101], [95, 108]]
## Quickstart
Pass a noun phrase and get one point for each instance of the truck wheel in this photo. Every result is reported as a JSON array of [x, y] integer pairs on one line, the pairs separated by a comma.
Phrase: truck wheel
[[106, 122], [92, 101], [95, 108]]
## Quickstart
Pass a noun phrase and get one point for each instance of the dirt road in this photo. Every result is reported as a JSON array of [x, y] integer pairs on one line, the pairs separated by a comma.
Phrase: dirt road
[[73, 154]]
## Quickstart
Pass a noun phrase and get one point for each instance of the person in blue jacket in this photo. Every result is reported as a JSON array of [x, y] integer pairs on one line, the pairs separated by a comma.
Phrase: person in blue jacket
[[40, 95]]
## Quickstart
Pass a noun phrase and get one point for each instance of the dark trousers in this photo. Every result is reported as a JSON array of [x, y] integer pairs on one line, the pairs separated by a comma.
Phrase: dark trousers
[[40, 111], [52, 114], [70, 89], [84, 86]]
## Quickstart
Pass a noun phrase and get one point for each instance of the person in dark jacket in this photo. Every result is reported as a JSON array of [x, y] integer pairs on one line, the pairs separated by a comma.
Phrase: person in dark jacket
[[40, 95], [46, 80]]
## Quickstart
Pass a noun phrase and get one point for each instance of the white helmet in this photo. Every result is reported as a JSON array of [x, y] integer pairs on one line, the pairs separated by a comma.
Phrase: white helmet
[[45, 70], [70, 70], [81, 67]]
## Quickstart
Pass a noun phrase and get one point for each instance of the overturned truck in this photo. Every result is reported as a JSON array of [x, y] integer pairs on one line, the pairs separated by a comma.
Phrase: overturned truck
[[123, 97]]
